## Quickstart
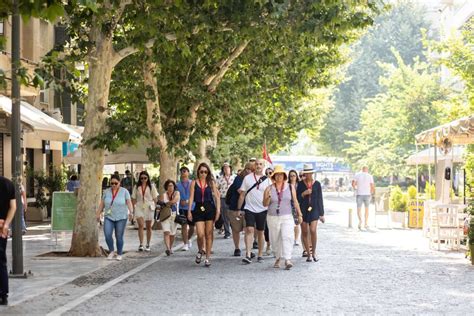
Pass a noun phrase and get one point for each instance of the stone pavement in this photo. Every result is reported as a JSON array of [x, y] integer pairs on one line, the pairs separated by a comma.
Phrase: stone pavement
[[370, 272]]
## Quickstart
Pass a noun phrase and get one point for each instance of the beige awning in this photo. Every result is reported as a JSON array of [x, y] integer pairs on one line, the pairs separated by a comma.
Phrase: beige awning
[[458, 132], [40, 124], [426, 157]]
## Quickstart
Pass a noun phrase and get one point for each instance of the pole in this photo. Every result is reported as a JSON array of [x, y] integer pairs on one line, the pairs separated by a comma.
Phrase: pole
[[417, 189], [350, 218], [17, 240]]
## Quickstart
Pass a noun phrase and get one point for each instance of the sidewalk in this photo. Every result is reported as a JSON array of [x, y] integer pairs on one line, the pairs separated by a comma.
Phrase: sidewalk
[[49, 272]]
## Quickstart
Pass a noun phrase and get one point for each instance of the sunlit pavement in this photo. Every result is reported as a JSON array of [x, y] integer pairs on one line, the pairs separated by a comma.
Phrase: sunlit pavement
[[380, 271]]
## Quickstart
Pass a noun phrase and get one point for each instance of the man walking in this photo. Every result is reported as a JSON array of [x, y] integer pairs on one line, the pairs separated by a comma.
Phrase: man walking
[[183, 186], [7, 211], [223, 184], [251, 192], [363, 184]]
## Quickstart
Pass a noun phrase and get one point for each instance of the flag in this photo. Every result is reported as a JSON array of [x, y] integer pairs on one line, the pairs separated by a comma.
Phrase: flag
[[266, 156]]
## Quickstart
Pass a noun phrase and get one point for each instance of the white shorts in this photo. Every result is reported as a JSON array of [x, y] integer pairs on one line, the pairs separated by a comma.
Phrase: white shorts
[[147, 214], [169, 225]]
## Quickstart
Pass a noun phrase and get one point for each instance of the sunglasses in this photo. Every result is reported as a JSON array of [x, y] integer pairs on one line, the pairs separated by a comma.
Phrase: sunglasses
[[293, 175], [184, 171], [114, 183], [143, 178], [203, 171]]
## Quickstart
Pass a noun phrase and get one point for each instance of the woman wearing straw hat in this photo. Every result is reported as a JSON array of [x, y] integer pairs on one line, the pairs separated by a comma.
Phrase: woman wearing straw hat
[[310, 198], [279, 198]]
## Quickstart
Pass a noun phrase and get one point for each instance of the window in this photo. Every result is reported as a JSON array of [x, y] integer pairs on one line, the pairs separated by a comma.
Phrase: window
[[44, 96]]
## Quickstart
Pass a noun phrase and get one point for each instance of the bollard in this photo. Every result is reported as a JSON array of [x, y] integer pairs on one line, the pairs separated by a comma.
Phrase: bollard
[[350, 218]]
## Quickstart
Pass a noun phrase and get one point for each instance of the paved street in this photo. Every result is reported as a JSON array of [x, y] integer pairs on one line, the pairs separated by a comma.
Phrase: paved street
[[375, 272]]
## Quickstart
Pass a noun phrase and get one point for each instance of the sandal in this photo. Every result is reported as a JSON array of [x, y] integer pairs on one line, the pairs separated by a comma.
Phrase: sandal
[[276, 265], [305, 254], [198, 257], [309, 259], [315, 259], [288, 265], [207, 263]]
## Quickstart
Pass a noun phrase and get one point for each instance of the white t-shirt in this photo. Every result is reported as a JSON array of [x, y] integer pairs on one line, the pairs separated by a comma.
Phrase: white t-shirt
[[147, 202], [363, 181], [254, 200]]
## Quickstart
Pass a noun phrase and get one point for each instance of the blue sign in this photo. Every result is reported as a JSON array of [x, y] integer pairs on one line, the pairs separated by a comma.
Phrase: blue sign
[[319, 166], [69, 147]]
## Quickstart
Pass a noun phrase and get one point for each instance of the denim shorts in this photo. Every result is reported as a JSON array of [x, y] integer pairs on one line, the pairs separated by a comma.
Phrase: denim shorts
[[363, 199]]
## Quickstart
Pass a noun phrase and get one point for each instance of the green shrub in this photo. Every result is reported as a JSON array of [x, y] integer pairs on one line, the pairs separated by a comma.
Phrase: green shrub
[[430, 191], [398, 200], [412, 192]]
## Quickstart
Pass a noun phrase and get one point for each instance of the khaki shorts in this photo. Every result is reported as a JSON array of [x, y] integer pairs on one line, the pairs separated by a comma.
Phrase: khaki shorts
[[237, 222], [169, 225]]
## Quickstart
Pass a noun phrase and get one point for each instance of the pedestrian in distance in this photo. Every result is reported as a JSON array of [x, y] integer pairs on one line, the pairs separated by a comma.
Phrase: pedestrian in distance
[[127, 181], [206, 212], [117, 207], [310, 198], [237, 221], [363, 184], [73, 183], [293, 179], [280, 198], [7, 212], [251, 192], [268, 251], [223, 184], [171, 199], [144, 198], [184, 186]]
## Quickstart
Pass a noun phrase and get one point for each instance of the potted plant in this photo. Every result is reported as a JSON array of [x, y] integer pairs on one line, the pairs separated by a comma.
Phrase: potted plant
[[45, 184], [398, 203]]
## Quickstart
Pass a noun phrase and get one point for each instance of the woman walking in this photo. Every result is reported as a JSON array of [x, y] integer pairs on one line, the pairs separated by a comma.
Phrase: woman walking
[[117, 207], [171, 199], [293, 179], [310, 197], [206, 212], [280, 198], [144, 198]]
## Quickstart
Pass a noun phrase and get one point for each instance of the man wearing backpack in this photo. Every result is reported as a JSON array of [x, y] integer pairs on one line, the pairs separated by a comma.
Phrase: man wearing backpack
[[223, 183], [251, 192]]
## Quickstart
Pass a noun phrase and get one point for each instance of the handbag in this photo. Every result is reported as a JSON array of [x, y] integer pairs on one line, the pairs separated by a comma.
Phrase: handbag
[[181, 219], [165, 213]]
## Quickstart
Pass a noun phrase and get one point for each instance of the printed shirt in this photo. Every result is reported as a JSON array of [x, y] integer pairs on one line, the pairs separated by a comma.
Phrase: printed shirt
[[119, 209], [147, 202], [224, 183]]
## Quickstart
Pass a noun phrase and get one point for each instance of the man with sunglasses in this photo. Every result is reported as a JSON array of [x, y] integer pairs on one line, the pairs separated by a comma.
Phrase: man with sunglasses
[[183, 186], [251, 192]]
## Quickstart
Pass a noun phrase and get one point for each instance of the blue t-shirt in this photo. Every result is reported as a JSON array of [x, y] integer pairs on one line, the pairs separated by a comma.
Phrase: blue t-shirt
[[184, 188], [119, 209]]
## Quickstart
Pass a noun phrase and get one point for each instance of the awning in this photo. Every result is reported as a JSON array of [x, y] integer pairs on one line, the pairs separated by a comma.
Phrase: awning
[[426, 157], [125, 154], [40, 124], [458, 132]]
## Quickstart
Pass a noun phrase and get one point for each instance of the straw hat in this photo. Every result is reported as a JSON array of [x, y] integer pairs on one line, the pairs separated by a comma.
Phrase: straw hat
[[308, 168], [279, 169]]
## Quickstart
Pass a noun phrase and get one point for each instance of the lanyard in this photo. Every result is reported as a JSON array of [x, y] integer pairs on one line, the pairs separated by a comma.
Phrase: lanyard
[[186, 187], [114, 196], [280, 196], [256, 181], [203, 189], [309, 187], [143, 193], [170, 198]]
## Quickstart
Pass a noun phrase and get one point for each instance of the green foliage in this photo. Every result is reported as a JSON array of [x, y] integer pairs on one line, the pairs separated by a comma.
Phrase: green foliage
[[47, 182], [397, 29], [412, 192], [413, 101], [398, 200]]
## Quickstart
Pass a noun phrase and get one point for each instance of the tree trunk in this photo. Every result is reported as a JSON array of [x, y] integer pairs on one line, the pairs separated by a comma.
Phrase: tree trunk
[[85, 239], [168, 168], [202, 155]]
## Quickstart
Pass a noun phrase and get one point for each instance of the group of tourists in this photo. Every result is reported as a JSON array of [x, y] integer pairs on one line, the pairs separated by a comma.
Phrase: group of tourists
[[272, 207]]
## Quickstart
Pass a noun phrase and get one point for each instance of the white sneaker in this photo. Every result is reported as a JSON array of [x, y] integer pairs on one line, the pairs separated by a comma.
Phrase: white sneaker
[[185, 247], [147, 248], [111, 256], [190, 244], [118, 258]]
